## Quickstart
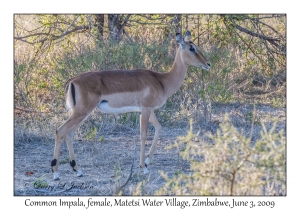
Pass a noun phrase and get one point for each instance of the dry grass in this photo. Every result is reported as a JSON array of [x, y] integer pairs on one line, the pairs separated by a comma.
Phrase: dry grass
[[106, 161], [104, 143]]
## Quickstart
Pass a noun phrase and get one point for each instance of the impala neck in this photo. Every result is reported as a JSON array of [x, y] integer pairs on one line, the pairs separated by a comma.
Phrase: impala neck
[[174, 78]]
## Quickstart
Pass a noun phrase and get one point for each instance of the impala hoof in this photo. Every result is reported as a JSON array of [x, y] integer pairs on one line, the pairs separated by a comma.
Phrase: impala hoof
[[147, 161], [55, 176], [79, 173], [146, 171]]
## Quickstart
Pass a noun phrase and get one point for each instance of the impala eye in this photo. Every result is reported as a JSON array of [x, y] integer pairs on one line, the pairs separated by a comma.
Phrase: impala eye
[[192, 49]]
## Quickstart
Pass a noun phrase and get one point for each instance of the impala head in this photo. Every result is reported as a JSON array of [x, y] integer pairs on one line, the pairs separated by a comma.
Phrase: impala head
[[190, 52]]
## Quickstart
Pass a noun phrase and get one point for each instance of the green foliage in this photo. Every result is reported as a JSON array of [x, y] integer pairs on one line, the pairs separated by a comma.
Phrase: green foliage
[[101, 138], [40, 183], [112, 55], [143, 181], [278, 102], [91, 134], [65, 160], [117, 169], [41, 69], [229, 165]]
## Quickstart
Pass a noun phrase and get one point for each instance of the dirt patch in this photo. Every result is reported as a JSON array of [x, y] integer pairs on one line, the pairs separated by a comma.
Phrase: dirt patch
[[106, 164]]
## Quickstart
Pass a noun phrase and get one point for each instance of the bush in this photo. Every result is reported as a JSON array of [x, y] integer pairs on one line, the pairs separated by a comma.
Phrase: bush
[[230, 164]]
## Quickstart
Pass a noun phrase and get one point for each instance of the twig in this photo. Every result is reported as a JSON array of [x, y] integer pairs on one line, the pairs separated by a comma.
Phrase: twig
[[23, 109], [261, 95], [63, 34], [57, 192], [52, 37], [150, 18], [41, 191], [204, 99], [263, 37], [232, 183], [127, 35], [273, 29], [264, 17], [25, 99], [252, 123], [148, 23], [131, 171], [271, 40], [122, 27]]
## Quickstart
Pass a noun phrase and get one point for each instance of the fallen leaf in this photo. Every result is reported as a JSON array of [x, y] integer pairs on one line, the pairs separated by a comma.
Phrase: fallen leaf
[[28, 173]]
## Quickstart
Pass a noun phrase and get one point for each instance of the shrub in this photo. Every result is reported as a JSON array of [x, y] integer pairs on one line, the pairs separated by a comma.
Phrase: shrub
[[230, 164]]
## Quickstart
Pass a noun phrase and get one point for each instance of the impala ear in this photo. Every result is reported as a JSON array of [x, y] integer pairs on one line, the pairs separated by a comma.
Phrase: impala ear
[[180, 40], [187, 37]]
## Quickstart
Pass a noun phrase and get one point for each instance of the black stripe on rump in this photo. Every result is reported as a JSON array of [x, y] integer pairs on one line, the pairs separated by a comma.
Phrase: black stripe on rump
[[73, 93]]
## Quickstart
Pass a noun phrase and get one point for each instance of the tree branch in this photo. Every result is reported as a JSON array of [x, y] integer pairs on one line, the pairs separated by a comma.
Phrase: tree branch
[[127, 35], [150, 18], [271, 40], [273, 29], [253, 33], [64, 33], [264, 17], [51, 36], [122, 26]]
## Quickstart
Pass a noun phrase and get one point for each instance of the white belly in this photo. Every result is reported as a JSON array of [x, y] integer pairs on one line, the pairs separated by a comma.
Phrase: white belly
[[104, 107]]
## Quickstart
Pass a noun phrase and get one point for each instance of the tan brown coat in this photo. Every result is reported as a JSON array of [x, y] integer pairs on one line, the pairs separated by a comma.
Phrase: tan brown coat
[[119, 91]]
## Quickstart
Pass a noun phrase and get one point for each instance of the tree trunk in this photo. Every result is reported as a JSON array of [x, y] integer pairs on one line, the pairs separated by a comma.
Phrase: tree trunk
[[116, 25], [177, 23], [113, 21], [100, 25]]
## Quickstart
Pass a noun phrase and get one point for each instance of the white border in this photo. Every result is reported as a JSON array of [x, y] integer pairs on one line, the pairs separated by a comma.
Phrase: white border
[[8, 8]]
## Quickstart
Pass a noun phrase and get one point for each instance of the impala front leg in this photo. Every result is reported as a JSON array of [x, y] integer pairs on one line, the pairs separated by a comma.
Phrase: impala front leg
[[153, 120], [144, 119]]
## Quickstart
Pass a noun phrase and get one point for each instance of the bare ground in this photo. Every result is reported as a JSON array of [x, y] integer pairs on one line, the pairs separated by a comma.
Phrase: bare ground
[[106, 164]]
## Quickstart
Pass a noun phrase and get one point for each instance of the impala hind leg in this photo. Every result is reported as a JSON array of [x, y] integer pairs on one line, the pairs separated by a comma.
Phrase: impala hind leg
[[144, 119], [66, 130], [154, 121], [69, 141]]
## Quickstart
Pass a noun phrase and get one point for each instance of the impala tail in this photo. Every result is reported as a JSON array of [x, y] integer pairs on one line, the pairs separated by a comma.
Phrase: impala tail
[[70, 96]]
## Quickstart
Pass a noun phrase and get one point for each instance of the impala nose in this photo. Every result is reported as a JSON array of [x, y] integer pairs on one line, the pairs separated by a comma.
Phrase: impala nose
[[206, 67]]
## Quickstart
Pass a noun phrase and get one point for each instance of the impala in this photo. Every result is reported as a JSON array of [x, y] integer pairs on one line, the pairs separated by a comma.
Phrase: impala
[[120, 91]]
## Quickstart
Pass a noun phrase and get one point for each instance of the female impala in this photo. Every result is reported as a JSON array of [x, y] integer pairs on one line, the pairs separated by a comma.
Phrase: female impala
[[121, 91]]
